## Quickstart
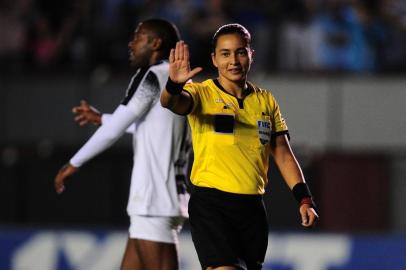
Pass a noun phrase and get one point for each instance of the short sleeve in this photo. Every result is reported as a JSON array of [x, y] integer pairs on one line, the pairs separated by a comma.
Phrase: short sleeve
[[279, 123], [192, 89]]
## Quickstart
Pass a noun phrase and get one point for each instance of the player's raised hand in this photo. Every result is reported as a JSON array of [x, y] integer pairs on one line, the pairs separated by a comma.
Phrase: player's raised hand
[[309, 215], [179, 64], [86, 114], [64, 173]]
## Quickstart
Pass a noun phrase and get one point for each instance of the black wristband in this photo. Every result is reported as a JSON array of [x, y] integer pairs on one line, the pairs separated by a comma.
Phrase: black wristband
[[174, 88], [302, 194], [301, 191]]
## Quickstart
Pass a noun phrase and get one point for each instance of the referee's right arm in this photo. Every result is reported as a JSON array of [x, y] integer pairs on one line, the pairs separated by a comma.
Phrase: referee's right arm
[[179, 103], [173, 97]]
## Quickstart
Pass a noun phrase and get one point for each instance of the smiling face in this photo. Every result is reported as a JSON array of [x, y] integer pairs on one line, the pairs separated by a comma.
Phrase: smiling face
[[232, 57], [141, 47]]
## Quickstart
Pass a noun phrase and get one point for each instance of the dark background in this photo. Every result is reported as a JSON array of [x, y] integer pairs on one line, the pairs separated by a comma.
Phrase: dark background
[[55, 53]]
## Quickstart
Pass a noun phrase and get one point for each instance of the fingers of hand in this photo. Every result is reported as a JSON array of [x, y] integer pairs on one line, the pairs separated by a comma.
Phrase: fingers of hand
[[314, 213], [66, 171], [305, 219], [195, 71], [186, 53], [82, 123], [314, 216], [312, 220], [303, 210], [59, 189], [93, 110], [81, 119], [309, 218], [172, 56], [79, 110], [181, 50], [177, 50]]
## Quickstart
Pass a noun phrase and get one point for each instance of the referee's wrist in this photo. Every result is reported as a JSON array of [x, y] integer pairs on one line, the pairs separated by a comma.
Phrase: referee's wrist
[[306, 200], [302, 194], [174, 88]]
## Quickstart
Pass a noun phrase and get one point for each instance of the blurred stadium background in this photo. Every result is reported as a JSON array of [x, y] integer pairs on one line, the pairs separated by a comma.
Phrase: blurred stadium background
[[337, 68]]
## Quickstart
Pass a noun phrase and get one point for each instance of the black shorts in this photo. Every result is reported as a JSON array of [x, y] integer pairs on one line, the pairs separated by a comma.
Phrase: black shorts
[[228, 229]]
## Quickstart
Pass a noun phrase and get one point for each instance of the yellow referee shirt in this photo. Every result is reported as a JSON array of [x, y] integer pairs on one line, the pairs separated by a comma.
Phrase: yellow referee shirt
[[231, 137]]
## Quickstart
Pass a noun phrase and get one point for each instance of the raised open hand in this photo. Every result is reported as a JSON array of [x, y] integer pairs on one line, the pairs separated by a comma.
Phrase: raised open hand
[[179, 64], [86, 114]]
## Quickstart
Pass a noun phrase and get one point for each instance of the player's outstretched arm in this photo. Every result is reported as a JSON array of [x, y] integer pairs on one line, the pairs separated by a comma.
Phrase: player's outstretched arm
[[85, 113], [64, 173], [173, 97]]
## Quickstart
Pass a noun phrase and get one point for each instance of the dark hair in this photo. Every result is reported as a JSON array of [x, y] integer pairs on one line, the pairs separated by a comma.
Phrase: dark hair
[[166, 31], [232, 28]]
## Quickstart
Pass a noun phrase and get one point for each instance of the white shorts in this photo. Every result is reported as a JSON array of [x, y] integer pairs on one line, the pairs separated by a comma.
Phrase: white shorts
[[157, 229]]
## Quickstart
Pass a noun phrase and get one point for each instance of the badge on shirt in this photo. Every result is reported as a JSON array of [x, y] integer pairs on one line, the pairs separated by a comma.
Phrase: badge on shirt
[[264, 131]]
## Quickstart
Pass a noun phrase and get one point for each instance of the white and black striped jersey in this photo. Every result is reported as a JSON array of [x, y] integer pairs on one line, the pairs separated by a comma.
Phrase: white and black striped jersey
[[160, 144]]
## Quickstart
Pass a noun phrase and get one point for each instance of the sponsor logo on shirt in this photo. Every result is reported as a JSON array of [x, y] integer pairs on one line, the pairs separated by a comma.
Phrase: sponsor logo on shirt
[[220, 100]]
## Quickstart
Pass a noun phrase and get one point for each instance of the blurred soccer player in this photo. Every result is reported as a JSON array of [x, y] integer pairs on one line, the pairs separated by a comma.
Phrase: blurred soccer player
[[235, 127], [157, 204]]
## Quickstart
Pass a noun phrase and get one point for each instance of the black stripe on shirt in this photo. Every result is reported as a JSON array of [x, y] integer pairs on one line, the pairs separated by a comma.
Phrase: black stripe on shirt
[[151, 82], [279, 133], [134, 85]]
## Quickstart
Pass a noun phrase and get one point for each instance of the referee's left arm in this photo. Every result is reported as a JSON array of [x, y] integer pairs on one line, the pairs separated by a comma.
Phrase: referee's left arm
[[293, 176], [286, 161]]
